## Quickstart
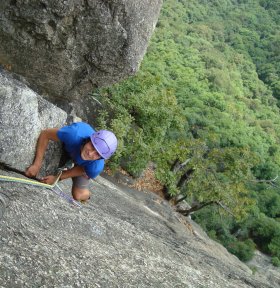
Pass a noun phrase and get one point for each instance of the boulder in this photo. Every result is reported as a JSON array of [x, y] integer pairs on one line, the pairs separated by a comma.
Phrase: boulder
[[23, 114], [65, 48]]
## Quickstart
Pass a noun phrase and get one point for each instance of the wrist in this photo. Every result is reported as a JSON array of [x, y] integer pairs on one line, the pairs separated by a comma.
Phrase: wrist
[[61, 176]]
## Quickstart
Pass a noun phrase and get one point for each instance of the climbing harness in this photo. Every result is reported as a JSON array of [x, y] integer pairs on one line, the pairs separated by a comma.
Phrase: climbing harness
[[39, 184]]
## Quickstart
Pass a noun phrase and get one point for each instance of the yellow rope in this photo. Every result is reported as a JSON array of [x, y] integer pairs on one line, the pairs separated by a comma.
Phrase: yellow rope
[[30, 182], [37, 183]]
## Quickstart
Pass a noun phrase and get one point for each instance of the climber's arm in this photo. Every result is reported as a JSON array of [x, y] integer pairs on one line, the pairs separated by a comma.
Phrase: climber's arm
[[42, 144]]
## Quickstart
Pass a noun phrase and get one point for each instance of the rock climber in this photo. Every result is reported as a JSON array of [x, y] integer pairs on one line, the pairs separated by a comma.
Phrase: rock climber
[[87, 148]]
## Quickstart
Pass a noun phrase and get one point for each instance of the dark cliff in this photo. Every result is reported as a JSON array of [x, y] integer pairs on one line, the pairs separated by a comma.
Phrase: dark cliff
[[65, 48]]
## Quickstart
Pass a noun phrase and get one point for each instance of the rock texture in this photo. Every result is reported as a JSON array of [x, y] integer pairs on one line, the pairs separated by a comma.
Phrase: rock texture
[[23, 114], [121, 238], [64, 48], [261, 263]]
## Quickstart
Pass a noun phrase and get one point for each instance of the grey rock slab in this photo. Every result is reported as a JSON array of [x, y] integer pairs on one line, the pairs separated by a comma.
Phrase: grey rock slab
[[261, 263], [121, 238], [64, 48], [23, 115]]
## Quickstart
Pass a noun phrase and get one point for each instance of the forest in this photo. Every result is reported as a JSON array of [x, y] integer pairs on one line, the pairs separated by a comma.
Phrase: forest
[[204, 109]]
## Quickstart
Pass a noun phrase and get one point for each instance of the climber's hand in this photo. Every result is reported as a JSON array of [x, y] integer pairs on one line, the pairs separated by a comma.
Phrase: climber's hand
[[50, 179], [32, 170]]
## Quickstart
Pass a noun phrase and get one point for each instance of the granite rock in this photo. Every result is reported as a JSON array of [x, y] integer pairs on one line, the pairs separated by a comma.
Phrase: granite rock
[[121, 238], [64, 48], [23, 114]]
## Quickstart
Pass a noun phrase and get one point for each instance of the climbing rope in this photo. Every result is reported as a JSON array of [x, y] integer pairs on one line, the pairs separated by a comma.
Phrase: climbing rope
[[39, 184]]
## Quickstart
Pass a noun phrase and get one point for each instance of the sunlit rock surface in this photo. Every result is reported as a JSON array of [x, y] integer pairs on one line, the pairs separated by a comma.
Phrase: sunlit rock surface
[[23, 115], [122, 238]]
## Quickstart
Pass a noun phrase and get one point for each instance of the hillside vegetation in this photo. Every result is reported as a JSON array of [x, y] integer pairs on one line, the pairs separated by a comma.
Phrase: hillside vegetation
[[204, 108]]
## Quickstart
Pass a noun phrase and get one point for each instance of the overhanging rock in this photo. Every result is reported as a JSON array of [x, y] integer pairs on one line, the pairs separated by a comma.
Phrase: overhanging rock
[[64, 48], [23, 114]]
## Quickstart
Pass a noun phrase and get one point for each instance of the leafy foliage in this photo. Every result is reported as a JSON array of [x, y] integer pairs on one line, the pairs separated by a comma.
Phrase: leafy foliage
[[207, 97], [244, 250]]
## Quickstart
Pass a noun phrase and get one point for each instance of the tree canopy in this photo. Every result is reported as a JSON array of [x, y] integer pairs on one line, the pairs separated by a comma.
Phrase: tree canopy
[[204, 108]]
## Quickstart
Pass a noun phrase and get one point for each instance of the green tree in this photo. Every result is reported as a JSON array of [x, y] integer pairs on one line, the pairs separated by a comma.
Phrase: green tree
[[266, 234], [220, 177], [202, 106], [243, 250]]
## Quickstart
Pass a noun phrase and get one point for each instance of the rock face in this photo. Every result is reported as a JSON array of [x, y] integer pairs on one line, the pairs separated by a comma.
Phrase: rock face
[[64, 48], [121, 238], [262, 264], [23, 114]]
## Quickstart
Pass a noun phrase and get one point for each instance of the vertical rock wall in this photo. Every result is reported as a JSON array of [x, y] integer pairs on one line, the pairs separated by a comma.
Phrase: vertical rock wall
[[23, 114], [65, 48]]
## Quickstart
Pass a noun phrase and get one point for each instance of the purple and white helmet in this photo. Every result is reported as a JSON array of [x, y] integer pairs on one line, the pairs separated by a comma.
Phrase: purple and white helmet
[[105, 142]]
